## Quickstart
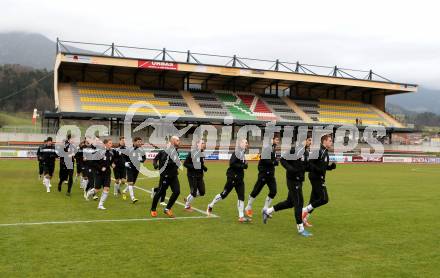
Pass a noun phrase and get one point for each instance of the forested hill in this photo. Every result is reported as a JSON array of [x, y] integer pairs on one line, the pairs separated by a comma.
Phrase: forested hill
[[34, 93]]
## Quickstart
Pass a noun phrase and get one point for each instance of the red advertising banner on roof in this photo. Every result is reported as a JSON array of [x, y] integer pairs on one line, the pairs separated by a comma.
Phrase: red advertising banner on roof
[[157, 65]]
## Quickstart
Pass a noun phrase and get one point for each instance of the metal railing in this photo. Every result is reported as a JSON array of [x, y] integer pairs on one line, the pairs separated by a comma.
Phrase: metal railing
[[133, 52]]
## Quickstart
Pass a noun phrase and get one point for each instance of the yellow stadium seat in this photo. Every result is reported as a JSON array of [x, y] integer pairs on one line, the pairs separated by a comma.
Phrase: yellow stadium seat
[[122, 101], [121, 109]]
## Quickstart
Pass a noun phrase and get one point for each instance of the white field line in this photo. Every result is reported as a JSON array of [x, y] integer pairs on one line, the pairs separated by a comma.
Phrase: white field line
[[180, 203], [102, 221], [205, 215]]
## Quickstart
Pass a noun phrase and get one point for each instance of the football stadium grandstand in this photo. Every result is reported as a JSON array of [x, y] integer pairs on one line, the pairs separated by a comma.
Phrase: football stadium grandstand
[[94, 85]]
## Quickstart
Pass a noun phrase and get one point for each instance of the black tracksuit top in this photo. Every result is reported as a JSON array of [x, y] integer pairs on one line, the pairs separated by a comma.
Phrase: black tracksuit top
[[296, 168], [170, 159], [266, 167], [318, 167], [120, 156], [48, 154], [198, 169], [106, 160], [237, 164], [136, 154]]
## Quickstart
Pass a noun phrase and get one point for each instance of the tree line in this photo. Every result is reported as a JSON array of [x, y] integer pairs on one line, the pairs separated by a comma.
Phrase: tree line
[[36, 92]]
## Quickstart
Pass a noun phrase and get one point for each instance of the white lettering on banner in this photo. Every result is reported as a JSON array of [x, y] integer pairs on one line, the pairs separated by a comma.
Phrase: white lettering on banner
[[162, 64]]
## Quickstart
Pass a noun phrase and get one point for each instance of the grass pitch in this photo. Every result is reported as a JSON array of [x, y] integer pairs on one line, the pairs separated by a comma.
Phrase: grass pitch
[[382, 221]]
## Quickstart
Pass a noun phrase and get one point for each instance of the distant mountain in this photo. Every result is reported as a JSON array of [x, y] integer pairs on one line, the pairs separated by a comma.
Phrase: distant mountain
[[28, 49], [425, 100], [37, 51]]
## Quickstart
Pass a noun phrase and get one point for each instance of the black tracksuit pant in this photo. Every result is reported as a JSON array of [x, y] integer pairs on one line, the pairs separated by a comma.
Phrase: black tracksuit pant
[[261, 182], [319, 195], [65, 175], [232, 183], [90, 174], [294, 199], [164, 183], [40, 168], [156, 190], [196, 183]]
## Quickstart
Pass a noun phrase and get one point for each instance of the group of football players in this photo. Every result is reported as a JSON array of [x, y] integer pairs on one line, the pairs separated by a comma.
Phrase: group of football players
[[96, 160]]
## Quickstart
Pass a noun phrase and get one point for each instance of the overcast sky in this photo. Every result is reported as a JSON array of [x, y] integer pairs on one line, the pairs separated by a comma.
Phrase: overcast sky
[[397, 39]]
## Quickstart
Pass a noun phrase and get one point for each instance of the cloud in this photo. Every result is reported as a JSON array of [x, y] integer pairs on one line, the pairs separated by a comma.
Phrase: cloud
[[397, 41]]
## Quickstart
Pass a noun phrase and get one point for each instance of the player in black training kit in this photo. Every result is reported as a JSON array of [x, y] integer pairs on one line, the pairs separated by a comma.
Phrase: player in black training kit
[[40, 160], [266, 175], [65, 173], [80, 164], [89, 155], [154, 190], [120, 171], [48, 156], [296, 165], [136, 156], [317, 171], [235, 176], [168, 165], [195, 165], [103, 174]]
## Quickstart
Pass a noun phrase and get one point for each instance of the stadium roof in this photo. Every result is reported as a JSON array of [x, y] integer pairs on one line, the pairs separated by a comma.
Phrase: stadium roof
[[249, 73], [176, 70]]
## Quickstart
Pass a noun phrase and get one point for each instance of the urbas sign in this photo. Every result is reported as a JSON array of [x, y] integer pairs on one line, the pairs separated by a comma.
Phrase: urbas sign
[[157, 65]]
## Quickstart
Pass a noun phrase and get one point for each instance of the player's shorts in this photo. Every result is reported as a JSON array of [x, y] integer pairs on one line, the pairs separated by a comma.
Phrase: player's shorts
[[102, 180], [88, 172], [79, 168], [132, 175], [48, 169], [120, 172]]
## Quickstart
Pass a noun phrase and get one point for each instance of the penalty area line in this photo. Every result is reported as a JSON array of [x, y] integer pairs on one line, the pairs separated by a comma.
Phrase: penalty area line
[[182, 204], [103, 221]]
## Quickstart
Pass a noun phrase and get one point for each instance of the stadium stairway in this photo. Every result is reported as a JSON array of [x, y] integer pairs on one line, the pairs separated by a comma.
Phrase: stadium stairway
[[192, 104], [387, 117], [297, 109], [67, 103]]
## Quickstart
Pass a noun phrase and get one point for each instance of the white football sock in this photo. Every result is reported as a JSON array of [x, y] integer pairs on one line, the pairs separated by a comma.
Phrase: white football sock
[[125, 189], [270, 210], [309, 208], [300, 227], [240, 207], [91, 192], [189, 199], [84, 183], [217, 198], [130, 189], [267, 202], [103, 198], [115, 189], [198, 193], [46, 183], [249, 204]]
